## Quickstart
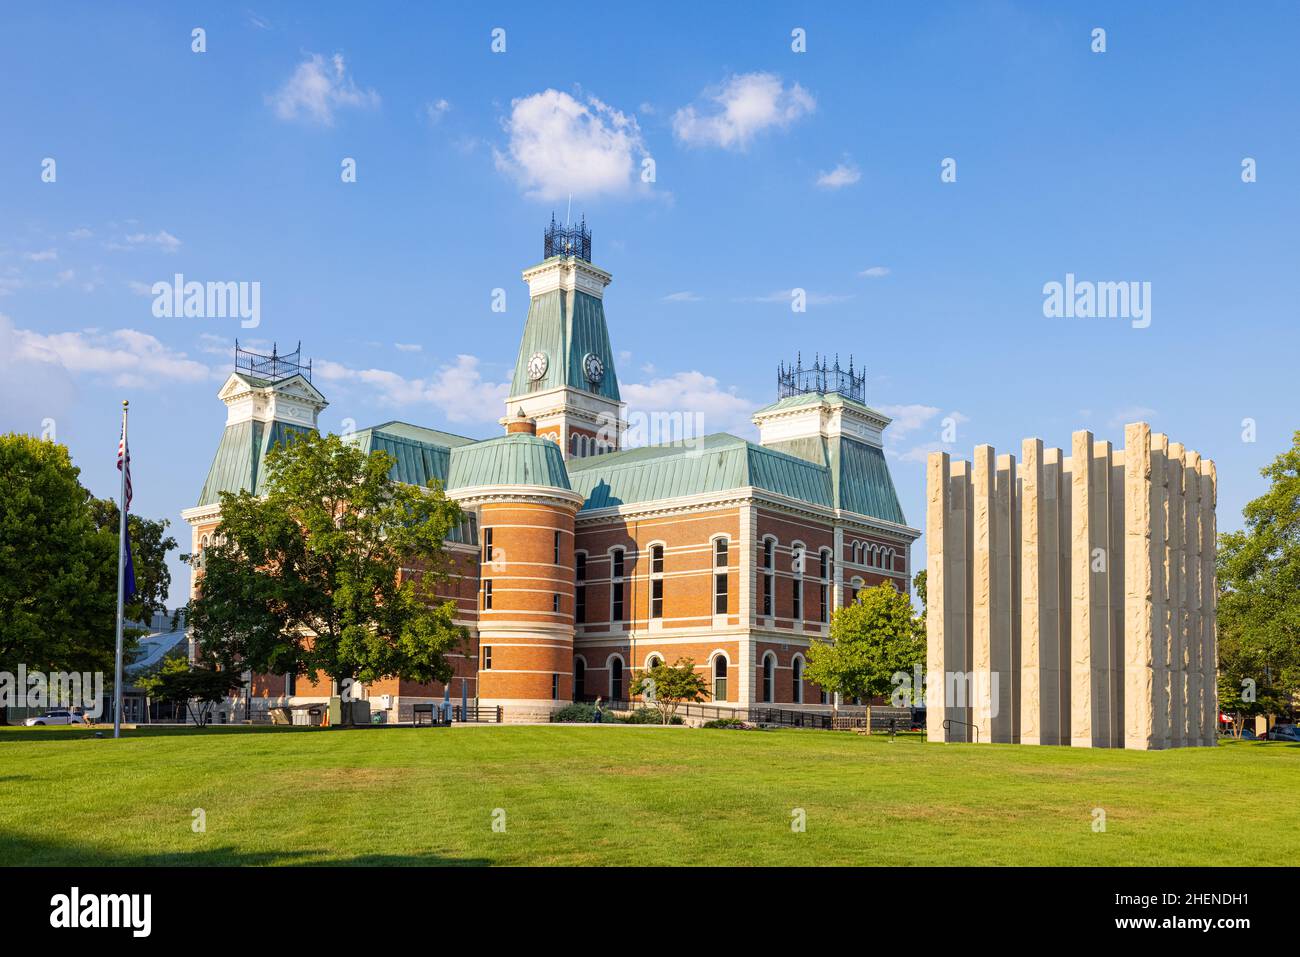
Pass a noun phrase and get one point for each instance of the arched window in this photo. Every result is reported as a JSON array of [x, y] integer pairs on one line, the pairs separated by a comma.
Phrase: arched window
[[856, 586], [769, 576], [720, 581], [616, 616], [653, 661], [579, 679], [796, 671], [857, 553], [720, 678], [798, 562], [824, 585], [656, 581], [769, 677], [615, 678]]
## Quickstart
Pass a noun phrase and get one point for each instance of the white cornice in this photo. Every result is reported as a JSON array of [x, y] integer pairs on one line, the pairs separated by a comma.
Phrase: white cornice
[[568, 273], [534, 494]]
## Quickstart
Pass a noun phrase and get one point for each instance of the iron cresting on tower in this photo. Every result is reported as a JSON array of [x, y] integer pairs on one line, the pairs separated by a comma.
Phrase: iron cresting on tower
[[1072, 599]]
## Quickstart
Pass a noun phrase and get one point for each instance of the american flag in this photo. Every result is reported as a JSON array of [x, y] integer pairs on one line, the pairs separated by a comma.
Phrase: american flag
[[124, 456], [123, 453]]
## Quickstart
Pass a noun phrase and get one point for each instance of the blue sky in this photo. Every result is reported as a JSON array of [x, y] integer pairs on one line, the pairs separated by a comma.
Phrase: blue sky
[[774, 170]]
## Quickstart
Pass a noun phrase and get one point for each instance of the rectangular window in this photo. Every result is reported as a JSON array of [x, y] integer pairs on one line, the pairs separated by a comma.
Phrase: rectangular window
[[720, 593], [767, 595], [487, 544], [487, 657], [487, 595], [555, 603], [657, 598], [821, 602], [657, 560], [580, 566], [797, 595], [720, 553], [616, 570], [555, 687], [616, 602], [580, 604], [557, 548]]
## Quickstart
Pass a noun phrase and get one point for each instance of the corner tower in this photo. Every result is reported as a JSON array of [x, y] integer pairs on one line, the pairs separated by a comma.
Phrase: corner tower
[[564, 377]]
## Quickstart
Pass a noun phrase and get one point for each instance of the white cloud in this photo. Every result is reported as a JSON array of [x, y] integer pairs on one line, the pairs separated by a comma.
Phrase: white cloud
[[43, 256], [317, 89], [408, 346], [139, 288], [811, 298], [1132, 413], [80, 233], [910, 418], [741, 108], [124, 357], [162, 239], [434, 110], [875, 272], [559, 146], [690, 394], [845, 174], [681, 297], [459, 390]]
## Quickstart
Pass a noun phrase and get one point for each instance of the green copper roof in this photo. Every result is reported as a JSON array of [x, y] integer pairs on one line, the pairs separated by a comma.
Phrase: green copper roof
[[716, 463], [859, 474], [565, 327], [817, 398], [238, 462], [414, 462], [516, 459], [419, 433]]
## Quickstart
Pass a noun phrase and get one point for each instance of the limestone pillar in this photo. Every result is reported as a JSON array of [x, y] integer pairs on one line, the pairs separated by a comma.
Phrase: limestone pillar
[[1033, 696], [1177, 596], [1141, 682], [1115, 598], [1058, 477], [1160, 585], [1209, 605], [985, 683], [938, 560], [1193, 719], [1099, 562], [959, 529], [1005, 611], [1089, 645]]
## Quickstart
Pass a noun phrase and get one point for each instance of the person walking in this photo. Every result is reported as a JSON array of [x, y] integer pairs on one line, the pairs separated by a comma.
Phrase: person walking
[[599, 713]]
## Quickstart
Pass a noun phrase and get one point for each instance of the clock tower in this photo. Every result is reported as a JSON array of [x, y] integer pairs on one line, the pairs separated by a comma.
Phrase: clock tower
[[564, 377]]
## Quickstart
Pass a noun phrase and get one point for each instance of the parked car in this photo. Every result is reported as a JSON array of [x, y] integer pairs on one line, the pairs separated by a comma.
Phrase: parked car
[[56, 716], [1286, 732]]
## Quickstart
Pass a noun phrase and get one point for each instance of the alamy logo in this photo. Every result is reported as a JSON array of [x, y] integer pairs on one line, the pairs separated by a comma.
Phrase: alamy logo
[[208, 300], [72, 910], [1084, 299]]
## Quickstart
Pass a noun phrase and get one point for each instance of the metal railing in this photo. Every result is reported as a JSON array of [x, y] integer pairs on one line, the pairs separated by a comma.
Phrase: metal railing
[[949, 722]]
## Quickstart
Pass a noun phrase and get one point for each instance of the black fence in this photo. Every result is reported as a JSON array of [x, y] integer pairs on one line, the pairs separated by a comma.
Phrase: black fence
[[882, 719]]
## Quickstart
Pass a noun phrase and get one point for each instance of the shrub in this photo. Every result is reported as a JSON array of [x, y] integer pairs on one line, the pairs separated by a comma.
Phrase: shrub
[[726, 723], [647, 716], [576, 713]]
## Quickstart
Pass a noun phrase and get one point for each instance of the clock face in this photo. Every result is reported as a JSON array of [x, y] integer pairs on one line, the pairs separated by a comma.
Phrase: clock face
[[537, 365], [594, 368]]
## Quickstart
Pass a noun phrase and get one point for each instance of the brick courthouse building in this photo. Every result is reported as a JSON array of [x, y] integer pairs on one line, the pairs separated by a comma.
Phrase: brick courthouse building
[[582, 561]]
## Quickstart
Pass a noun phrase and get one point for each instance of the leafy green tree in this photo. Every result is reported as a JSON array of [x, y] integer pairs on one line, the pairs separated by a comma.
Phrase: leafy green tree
[[194, 687], [1259, 595], [307, 579], [58, 565], [875, 637], [667, 687], [919, 589]]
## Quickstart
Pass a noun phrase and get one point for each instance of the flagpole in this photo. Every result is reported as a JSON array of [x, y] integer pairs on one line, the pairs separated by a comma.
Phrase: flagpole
[[121, 575]]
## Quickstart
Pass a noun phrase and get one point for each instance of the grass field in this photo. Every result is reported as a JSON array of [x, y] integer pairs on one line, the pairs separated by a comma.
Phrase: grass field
[[616, 795]]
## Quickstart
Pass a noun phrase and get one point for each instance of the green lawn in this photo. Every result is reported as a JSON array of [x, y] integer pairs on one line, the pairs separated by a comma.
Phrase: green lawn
[[631, 795]]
